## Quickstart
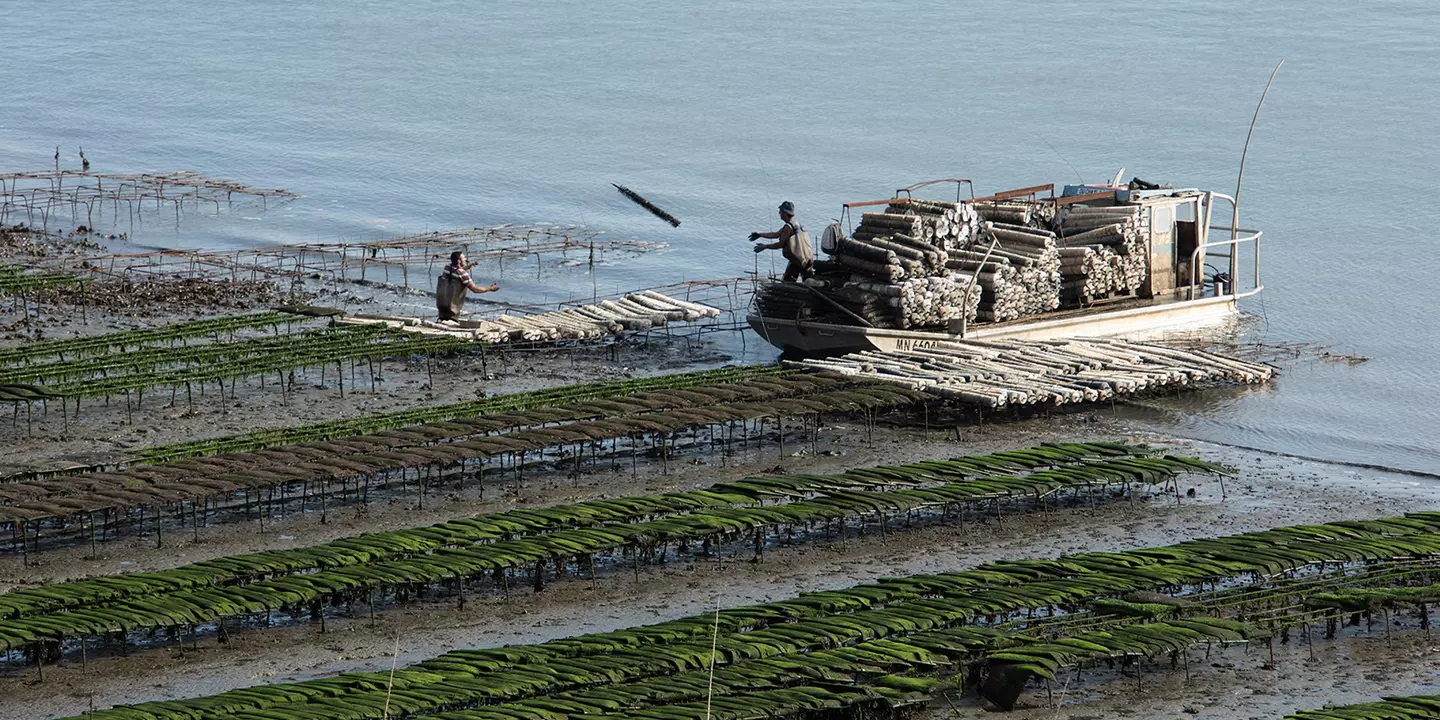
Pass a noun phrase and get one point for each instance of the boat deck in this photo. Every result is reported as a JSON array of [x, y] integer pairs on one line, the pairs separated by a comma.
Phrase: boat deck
[[1119, 303], [1128, 317]]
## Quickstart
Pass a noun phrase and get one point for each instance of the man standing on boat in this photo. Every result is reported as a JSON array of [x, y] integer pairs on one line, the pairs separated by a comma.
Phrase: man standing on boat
[[450, 288], [793, 243]]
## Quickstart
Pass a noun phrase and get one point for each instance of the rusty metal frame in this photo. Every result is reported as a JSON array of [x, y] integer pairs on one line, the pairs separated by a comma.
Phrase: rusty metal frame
[[845, 218], [1019, 192], [1087, 197], [909, 190]]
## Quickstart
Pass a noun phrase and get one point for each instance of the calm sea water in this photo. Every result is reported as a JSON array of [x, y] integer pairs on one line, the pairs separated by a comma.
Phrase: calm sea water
[[401, 117]]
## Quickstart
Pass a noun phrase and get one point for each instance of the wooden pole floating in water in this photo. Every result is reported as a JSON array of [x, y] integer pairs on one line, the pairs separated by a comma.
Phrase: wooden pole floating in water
[[1011, 373], [642, 202]]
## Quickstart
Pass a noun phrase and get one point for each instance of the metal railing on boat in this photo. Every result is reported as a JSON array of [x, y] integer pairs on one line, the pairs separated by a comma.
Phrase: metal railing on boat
[[1236, 239]]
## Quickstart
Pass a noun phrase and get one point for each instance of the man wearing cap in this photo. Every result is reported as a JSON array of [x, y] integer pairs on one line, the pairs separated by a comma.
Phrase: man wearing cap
[[792, 242], [450, 288]]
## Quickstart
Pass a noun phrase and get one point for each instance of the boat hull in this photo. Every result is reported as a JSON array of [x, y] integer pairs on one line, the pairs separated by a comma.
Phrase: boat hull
[[816, 339]]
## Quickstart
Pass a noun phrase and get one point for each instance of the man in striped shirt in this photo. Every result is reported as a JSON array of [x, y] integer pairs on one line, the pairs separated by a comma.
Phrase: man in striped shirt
[[450, 289]]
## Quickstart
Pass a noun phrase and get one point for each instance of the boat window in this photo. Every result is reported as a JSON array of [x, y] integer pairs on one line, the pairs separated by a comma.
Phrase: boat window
[[1161, 219], [1185, 212]]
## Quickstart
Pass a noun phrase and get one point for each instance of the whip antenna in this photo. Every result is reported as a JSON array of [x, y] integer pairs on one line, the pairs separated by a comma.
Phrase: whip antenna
[[1235, 207]]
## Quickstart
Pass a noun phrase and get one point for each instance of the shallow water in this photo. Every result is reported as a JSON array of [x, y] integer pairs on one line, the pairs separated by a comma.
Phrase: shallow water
[[404, 117]]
